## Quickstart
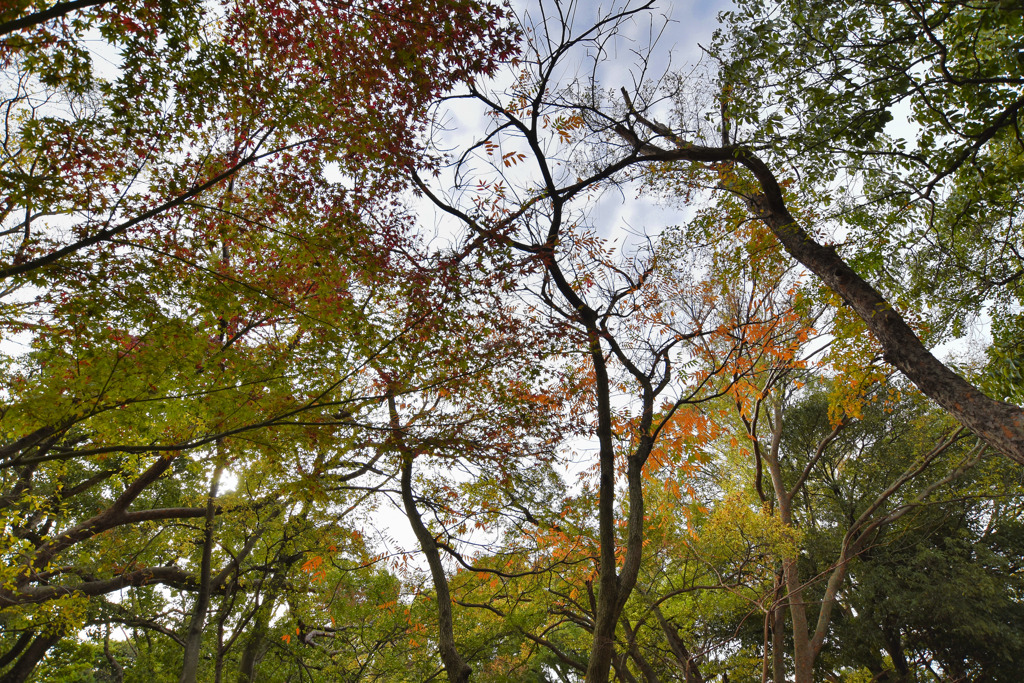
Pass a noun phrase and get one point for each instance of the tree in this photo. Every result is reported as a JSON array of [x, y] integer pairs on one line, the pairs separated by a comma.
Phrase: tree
[[239, 344], [192, 241], [733, 166], [951, 65], [940, 602], [652, 337]]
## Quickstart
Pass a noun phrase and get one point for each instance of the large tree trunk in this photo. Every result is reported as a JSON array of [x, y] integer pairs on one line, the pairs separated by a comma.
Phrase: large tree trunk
[[999, 424], [803, 654], [36, 650], [255, 647]]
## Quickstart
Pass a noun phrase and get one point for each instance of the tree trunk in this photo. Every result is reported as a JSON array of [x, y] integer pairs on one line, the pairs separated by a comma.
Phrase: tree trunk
[[456, 668], [22, 668], [684, 659], [622, 671], [194, 637], [1001, 425], [894, 646], [602, 647], [778, 642], [803, 652], [20, 644], [255, 648], [648, 672], [117, 671]]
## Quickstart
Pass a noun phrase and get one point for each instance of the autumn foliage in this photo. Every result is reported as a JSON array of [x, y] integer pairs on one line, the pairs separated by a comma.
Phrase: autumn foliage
[[357, 340]]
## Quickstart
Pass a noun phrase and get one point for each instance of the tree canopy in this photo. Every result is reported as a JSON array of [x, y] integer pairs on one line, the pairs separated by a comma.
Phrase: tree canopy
[[366, 340]]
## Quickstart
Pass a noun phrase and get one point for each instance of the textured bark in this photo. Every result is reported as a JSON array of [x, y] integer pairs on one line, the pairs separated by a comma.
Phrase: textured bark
[[22, 668], [194, 638], [778, 643], [803, 655], [999, 424]]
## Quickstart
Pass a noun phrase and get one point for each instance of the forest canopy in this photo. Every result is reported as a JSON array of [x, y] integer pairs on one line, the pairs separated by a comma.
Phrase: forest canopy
[[403, 340]]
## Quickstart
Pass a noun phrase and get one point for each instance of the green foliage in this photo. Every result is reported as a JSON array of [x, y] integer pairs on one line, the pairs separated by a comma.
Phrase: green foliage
[[928, 206], [211, 270], [947, 597]]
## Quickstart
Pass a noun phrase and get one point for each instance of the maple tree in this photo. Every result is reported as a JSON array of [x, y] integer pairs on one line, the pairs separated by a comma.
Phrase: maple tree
[[629, 454], [653, 339], [193, 239], [727, 155]]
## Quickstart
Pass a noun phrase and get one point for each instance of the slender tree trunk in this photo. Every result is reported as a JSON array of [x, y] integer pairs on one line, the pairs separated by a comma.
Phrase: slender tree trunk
[[257, 644], [218, 661], [803, 652], [602, 646], [117, 671], [194, 637], [778, 640], [609, 592], [648, 672], [454, 665], [894, 646], [684, 659], [456, 668], [614, 587]]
